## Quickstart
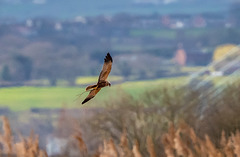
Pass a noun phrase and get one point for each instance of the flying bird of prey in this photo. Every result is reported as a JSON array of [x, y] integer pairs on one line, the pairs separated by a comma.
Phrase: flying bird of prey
[[102, 80]]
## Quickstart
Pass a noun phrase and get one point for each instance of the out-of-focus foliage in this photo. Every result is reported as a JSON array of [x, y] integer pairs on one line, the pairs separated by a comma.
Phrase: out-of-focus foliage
[[6, 76], [207, 110], [197, 107], [142, 46]]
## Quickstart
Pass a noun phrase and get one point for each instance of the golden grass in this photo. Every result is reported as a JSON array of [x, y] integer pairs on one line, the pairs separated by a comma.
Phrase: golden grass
[[26, 147], [135, 150], [181, 141], [150, 147], [81, 144], [177, 142], [6, 137]]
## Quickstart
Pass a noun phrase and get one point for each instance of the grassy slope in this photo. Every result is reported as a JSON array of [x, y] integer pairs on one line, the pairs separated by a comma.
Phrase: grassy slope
[[22, 98]]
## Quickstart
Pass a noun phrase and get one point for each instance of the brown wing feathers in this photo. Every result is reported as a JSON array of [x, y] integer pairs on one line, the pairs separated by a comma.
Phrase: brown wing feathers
[[108, 58], [107, 66], [86, 100], [91, 95]]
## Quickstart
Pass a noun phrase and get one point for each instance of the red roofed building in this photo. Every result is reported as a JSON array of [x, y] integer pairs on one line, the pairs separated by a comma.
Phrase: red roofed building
[[180, 56]]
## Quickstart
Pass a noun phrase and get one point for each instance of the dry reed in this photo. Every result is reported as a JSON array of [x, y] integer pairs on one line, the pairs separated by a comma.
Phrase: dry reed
[[27, 147], [136, 150], [150, 147], [81, 144], [179, 141], [6, 137]]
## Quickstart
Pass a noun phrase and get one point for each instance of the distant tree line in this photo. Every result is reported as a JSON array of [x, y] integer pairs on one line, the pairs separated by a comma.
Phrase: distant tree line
[[52, 49]]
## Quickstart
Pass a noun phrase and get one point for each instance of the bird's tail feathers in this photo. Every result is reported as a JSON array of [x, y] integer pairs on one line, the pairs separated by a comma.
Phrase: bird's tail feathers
[[91, 87]]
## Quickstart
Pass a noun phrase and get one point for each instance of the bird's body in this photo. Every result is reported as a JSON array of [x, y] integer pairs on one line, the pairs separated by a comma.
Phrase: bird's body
[[102, 80]]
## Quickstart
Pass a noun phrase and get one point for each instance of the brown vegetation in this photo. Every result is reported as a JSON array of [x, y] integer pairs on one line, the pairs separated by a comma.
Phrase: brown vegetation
[[180, 141], [26, 147], [180, 126]]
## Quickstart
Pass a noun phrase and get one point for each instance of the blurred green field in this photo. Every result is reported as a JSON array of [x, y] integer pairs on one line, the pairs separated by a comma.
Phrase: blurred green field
[[24, 98], [169, 34], [191, 69]]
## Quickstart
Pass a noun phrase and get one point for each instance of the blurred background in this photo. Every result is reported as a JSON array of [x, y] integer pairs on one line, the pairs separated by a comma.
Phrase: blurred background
[[45, 41], [51, 49]]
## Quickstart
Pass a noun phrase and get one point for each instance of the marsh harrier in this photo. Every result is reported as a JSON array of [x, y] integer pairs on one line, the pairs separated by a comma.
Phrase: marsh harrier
[[102, 80]]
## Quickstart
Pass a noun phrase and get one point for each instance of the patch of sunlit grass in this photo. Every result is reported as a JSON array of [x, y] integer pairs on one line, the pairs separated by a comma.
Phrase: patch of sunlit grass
[[191, 69], [24, 98]]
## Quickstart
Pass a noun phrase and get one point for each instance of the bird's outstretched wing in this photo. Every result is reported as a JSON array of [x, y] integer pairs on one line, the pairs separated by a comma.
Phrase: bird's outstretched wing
[[91, 95], [107, 66]]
